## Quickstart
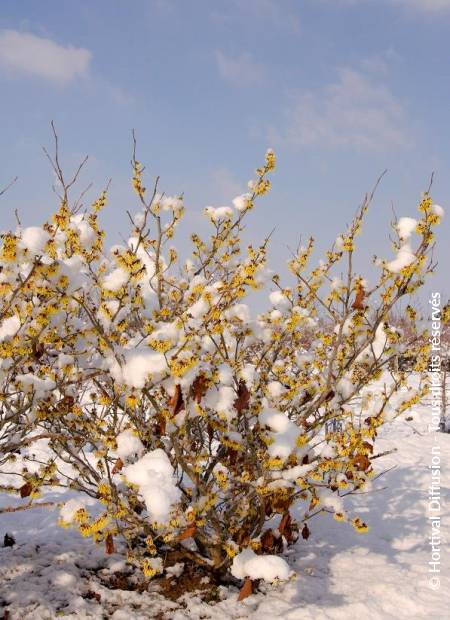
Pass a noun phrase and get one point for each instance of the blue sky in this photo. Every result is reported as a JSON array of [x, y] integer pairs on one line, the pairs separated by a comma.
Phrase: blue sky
[[341, 89]]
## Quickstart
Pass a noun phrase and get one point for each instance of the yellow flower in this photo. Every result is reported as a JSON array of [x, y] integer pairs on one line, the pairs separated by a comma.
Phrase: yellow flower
[[262, 187], [151, 567], [231, 548], [150, 545], [270, 160], [100, 202], [360, 526], [131, 400], [81, 515], [301, 441]]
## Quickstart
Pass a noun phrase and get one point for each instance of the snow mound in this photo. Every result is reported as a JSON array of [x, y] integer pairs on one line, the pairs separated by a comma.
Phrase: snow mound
[[267, 567]]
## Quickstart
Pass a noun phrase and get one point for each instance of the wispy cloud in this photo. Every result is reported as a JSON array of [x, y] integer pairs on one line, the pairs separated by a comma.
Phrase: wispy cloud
[[354, 112], [26, 53], [240, 70]]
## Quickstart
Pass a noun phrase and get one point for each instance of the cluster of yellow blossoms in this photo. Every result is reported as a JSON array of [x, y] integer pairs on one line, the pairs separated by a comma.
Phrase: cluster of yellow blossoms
[[132, 361]]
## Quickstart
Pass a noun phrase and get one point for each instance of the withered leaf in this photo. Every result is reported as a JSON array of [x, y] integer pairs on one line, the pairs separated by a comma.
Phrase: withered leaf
[[26, 489], [176, 401], [198, 388], [246, 589], [269, 542], [117, 466], [243, 399], [369, 446], [361, 462], [38, 350], [285, 524], [306, 532], [159, 428], [359, 304], [109, 544], [189, 532]]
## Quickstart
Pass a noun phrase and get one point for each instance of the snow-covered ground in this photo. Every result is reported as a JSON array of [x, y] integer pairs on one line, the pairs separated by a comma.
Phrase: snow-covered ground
[[51, 572]]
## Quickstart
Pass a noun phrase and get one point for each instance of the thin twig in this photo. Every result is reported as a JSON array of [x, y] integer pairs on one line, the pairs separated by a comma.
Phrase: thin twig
[[10, 184]]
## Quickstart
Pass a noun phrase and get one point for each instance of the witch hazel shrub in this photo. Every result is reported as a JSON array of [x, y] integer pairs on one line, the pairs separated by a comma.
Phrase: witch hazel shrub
[[195, 427]]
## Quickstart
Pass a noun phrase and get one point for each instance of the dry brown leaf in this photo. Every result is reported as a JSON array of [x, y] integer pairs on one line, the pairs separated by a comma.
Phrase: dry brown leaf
[[38, 350], [189, 532], [359, 304], [243, 400], [199, 388], [117, 466], [26, 489], [176, 401], [246, 589], [306, 533], [361, 462], [159, 428], [285, 525], [109, 544], [368, 446], [269, 542]]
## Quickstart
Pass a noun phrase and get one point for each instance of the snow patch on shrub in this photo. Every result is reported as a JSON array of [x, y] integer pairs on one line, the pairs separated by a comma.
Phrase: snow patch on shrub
[[129, 444], [285, 433], [154, 475], [405, 257], [9, 327], [34, 239], [405, 227]]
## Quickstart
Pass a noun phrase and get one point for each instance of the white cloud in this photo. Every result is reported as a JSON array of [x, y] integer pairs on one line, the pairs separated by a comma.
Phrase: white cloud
[[354, 112], [23, 52], [239, 70]]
